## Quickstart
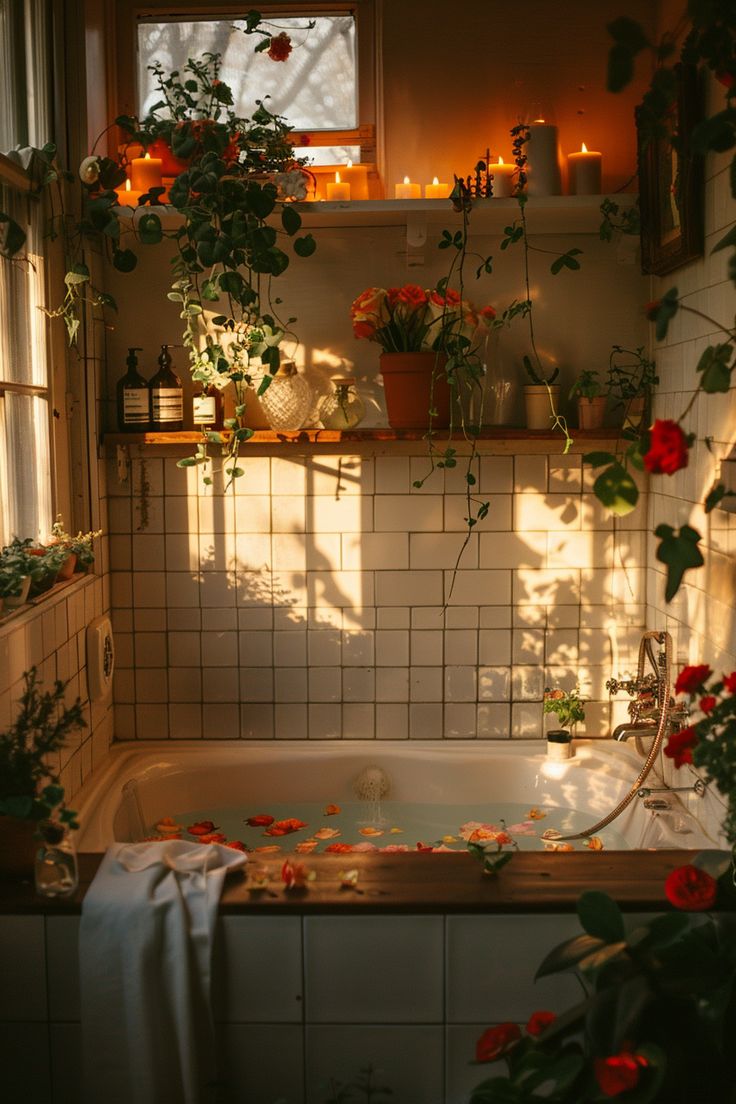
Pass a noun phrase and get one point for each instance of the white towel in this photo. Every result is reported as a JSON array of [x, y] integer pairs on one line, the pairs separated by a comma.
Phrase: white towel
[[145, 946]]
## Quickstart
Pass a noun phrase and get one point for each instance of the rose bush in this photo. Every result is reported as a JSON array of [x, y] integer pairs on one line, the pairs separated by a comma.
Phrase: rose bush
[[668, 448]]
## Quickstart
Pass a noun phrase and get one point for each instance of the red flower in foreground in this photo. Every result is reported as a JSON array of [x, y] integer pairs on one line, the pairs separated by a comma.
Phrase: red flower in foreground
[[691, 889], [691, 679], [285, 827], [201, 828], [668, 448], [261, 821], [680, 746], [619, 1072], [280, 47], [708, 703], [538, 1021], [729, 681], [496, 1041]]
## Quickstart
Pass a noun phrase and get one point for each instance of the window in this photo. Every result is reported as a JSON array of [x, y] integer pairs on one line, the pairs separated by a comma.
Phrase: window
[[325, 90], [26, 506]]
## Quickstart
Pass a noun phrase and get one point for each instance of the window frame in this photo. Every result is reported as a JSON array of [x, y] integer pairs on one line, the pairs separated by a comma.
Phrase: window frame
[[364, 135]]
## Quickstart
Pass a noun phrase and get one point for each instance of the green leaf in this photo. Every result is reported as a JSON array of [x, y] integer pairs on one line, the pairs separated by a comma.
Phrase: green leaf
[[12, 236], [679, 552], [291, 220], [149, 228], [106, 300], [600, 916], [231, 282], [305, 247], [188, 462], [567, 955], [714, 365], [615, 488], [598, 459], [124, 260], [666, 311]]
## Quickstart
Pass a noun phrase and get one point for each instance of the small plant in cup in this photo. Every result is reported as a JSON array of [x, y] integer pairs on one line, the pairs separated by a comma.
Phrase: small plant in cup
[[632, 376], [541, 396], [568, 706], [591, 395]]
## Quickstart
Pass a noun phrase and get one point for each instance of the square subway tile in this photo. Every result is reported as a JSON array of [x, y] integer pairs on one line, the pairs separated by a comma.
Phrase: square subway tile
[[407, 1059]]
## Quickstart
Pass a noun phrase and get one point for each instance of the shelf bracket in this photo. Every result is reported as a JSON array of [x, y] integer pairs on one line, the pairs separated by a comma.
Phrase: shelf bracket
[[416, 240]]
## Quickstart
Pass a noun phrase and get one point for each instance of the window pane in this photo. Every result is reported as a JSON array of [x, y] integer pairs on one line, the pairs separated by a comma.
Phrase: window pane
[[22, 338], [315, 89], [329, 155], [27, 466]]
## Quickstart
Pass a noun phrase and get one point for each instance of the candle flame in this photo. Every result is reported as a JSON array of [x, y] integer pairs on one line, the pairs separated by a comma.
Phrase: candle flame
[[407, 180], [583, 148], [127, 185], [337, 178], [500, 160], [435, 181], [350, 164], [148, 157], [537, 120]]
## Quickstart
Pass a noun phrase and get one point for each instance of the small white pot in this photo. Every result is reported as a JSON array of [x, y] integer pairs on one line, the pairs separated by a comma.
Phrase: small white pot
[[539, 400], [13, 601]]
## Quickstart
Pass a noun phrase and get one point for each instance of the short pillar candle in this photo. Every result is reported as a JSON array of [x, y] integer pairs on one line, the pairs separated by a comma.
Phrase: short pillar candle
[[145, 173], [127, 196], [436, 190], [584, 172], [407, 190], [339, 190], [503, 178]]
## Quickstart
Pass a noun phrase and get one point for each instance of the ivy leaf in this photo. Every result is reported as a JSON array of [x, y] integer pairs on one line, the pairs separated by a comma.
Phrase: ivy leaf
[[305, 247], [12, 236], [149, 228], [715, 368], [124, 260], [566, 260], [291, 220], [615, 488], [679, 552]]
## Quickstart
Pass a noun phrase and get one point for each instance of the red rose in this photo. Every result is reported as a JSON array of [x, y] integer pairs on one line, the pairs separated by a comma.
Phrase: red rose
[[691, 679], [201, 828], [261, 821], [708, 703], [538, 1021], [285, 827], [651, 309], [668, 449], [496, 1041], [691, 889], [364, 329], [680, 746], [488, 314], [411, 295], [726, 79], [729, 681], [236, 845], [280, 47], [451, 298], [619, 1072]]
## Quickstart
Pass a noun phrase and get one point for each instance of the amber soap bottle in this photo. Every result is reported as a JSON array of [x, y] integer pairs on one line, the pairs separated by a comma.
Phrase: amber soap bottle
[[134, 398], [167, 396]]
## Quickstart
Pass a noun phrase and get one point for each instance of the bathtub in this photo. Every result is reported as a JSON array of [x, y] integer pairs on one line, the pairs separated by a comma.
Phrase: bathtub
[[140, 783]]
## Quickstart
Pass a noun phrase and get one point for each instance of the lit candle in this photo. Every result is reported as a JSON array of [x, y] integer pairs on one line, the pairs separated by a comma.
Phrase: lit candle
[[145, 173], [435, 190], [407, 190], [338, 190], [357, 177], [127, 196], [503, 178], [584, 172], [543, 161]]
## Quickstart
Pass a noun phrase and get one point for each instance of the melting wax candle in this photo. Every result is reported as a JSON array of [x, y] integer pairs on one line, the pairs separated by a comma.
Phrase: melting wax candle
[[357, 177], [543, 161], [407, 190], [145, 173], [503, 178], [436, 190], [127, 196], [339, 190], [584, 172]]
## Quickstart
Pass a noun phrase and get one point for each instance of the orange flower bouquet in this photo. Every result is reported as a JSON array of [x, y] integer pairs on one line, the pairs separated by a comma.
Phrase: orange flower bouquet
[[411, 319]]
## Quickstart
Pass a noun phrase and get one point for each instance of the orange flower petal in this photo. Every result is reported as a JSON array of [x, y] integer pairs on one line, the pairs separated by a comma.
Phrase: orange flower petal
[[326, 833], [331, 810], [370, 831], [268, 849], [305, 847]]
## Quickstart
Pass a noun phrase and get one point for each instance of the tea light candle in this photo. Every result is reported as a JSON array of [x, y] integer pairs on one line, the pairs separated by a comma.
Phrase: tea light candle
[[503, 178], [584, 169], [407, 190], [435, 190], [357, 177], [543, 163], [145, 173], [338, 190], [127, 196]]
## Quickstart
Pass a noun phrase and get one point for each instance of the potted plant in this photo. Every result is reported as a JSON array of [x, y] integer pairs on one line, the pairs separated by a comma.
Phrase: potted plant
[[541, 396], [425, 335], [591, 396], [30, 792], [15, 579], [568, 706], [632, 377], [78, 551]]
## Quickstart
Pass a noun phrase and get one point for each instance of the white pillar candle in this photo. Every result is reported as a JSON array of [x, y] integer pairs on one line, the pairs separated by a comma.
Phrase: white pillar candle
[[584, 172], [436, 190], [543, 162], [357, 177], [339, 190], [503, 178], [407, 190]]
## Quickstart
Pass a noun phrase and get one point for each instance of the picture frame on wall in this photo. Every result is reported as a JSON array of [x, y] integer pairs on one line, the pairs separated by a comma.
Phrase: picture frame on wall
[[671, 185]]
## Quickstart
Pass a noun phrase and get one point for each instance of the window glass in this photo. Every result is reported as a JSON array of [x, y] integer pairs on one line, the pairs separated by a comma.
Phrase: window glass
[[27, 466], [315, 89]]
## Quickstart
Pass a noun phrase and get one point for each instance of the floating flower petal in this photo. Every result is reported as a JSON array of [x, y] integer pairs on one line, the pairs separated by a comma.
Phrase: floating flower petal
[[332, 810], [326, 833]]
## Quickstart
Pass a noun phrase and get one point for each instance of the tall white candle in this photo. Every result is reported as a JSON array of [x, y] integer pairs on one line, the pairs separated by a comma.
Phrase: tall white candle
[[543, 162], [584, 172]]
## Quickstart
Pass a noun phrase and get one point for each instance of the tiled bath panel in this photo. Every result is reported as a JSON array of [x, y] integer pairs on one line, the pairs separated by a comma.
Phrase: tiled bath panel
[[317, 599]]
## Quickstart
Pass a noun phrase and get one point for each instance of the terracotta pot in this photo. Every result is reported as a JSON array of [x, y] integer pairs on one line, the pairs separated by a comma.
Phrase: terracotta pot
[[68, 567], [539, 406], [591, 412], [413, 383], [18, 847]]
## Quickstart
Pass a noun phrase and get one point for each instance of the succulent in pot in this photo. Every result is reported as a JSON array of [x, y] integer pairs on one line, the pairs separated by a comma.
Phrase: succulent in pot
[[591, 396]]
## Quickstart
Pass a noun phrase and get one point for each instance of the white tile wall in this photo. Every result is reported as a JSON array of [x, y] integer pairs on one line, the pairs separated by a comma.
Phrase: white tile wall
[[329, 596]]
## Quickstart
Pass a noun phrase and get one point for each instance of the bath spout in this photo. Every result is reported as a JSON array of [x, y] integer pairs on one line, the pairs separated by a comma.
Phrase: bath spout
[[634, 728]]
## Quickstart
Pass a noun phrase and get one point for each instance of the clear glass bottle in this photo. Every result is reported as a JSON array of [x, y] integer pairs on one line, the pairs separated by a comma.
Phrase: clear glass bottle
[[495, 397], [56, 872], [167, 396], [343, 408], [288, 398], [134, 398]]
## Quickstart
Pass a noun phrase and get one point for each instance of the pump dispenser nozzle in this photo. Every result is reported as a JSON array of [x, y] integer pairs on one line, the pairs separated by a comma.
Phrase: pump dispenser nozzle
[[132, 359]]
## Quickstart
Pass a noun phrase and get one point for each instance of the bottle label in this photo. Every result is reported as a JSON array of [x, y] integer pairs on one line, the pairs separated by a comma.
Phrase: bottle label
[[135, 405], [204, 410], [167, 404]]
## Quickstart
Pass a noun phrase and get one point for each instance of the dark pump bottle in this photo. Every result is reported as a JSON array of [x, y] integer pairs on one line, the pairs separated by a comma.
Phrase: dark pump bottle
[[167, 397], [134, 398]]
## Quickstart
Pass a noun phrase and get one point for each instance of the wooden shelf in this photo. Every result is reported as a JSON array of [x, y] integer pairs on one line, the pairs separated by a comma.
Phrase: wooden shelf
[[500, 440], [545, 215]]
